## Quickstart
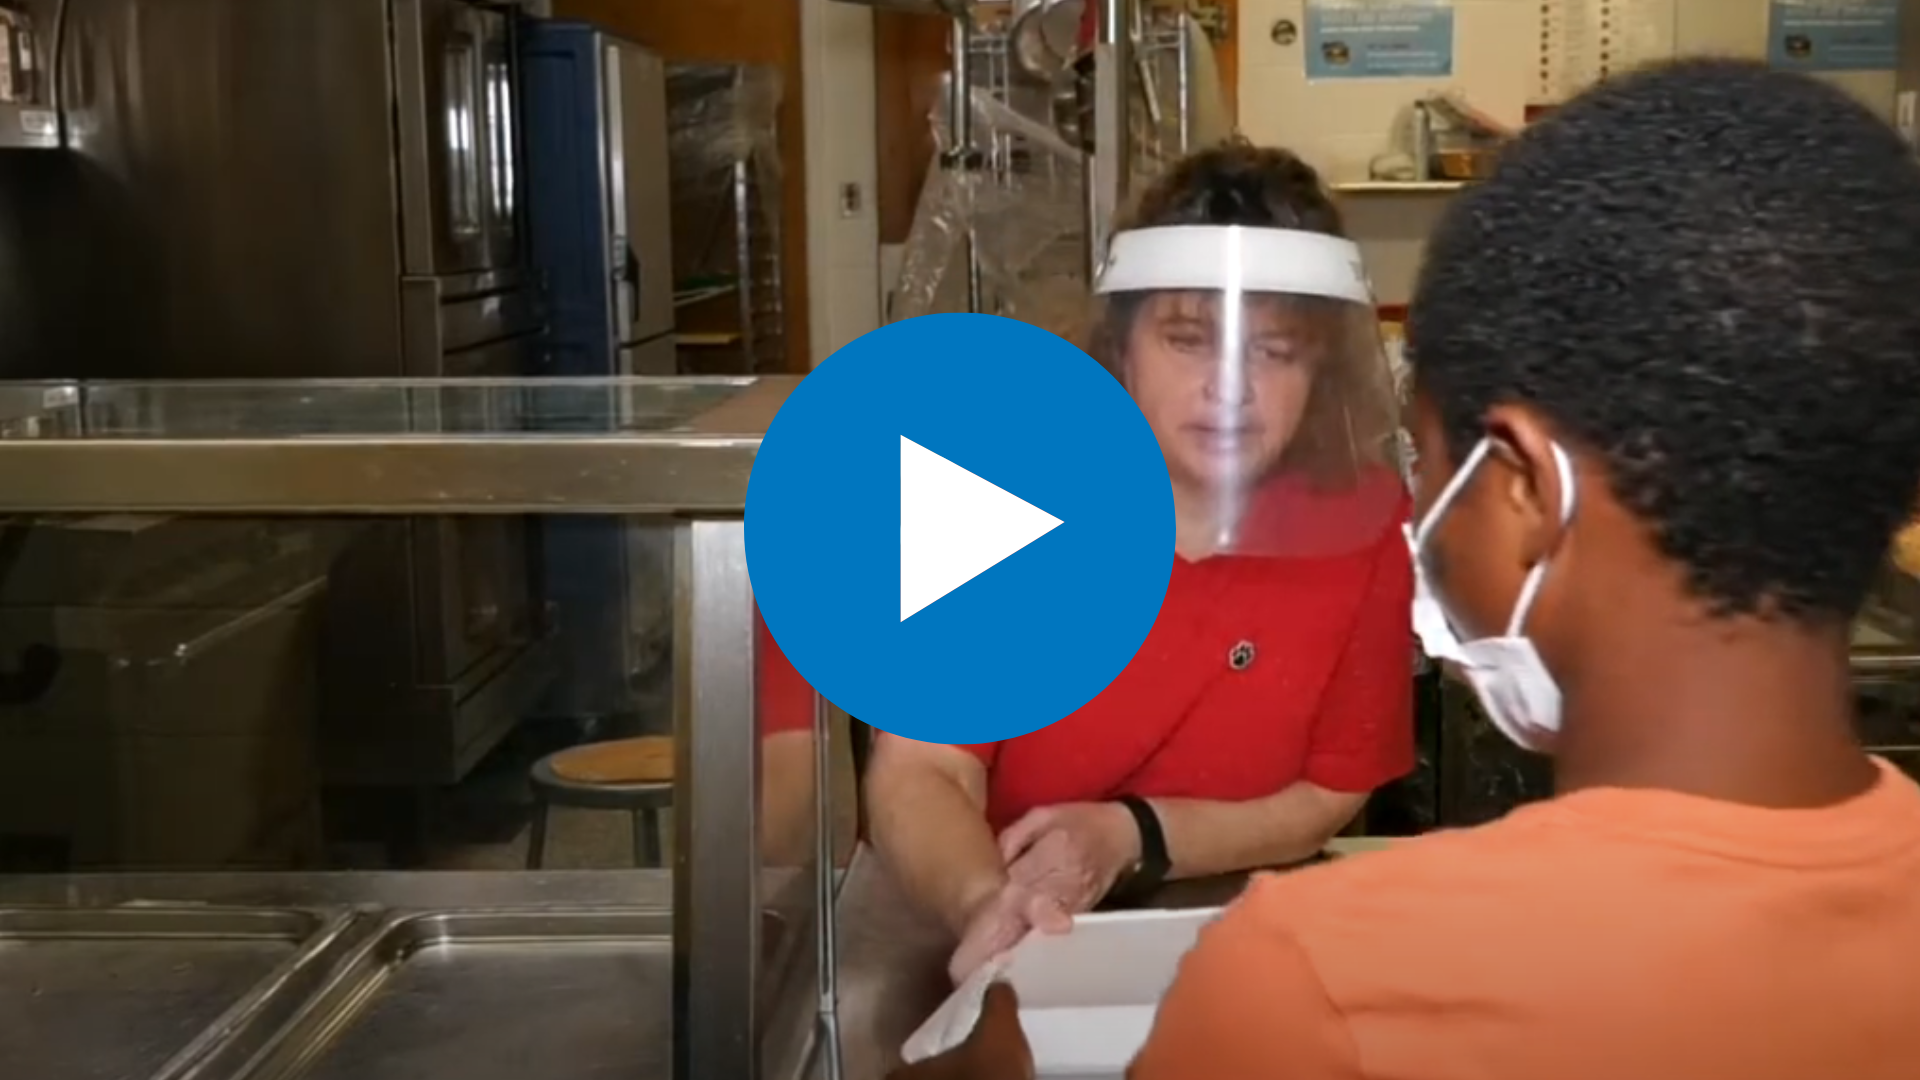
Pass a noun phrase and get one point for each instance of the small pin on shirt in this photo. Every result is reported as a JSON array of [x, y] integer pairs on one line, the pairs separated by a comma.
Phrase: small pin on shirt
[[1240, 657]]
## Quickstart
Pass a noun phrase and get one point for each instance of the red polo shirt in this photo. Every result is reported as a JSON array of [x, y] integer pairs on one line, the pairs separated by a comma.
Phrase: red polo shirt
[[1260, 671]]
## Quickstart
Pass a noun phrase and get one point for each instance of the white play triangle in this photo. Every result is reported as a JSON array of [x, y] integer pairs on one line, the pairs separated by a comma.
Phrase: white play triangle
[[955, 526]]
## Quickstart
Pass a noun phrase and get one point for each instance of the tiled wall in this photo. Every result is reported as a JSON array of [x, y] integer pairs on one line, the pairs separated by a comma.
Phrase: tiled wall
[[843, 267], [1341, 125]]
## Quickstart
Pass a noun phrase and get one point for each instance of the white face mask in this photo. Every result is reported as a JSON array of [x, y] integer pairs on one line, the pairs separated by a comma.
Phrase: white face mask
[[1512, 682]]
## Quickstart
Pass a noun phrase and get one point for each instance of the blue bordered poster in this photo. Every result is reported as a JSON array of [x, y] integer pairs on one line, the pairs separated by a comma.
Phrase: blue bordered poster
[[1379, 39], [1833, 35]]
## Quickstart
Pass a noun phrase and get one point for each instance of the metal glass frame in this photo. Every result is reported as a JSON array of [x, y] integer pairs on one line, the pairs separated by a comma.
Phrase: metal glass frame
[[678, 447]]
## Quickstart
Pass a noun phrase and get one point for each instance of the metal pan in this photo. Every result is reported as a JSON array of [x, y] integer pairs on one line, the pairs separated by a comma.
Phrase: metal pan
[[557, 994], [148, 991], [1044, 37]]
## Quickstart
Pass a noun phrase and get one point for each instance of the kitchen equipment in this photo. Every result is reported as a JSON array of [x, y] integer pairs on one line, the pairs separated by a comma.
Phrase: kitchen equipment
[[1044, 37], [598, 198], [27, 116], [159, 704], [327, 190], [456, 993], [144, 991], [600, 217]]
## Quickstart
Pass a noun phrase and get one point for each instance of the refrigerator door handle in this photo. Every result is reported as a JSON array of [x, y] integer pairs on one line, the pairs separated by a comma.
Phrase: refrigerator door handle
[[633, 271], [626, 298]]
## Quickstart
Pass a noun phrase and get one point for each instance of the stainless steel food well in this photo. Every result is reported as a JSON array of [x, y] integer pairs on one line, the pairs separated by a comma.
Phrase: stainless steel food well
[[145, 992], [554, 993]]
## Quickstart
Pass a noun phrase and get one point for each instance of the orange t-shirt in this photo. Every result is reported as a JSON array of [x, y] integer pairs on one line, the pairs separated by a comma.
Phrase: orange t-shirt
[[1605, 935]]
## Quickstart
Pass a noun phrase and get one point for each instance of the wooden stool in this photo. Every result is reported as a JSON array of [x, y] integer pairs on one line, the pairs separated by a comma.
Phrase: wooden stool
[[633, 775]]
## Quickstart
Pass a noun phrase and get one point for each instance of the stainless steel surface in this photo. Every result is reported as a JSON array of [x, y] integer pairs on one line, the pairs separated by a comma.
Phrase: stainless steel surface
[[457, 446], [1110, 168], [832, 1053], [1896, 663], [457, 126], [148, 991], [479, 975], [438, 890], [201, 179], [554, 993], [640, 194], [28, 32], [653, 359], [716, 854], [1183, 84], [173, 720], [963, 156], [745, 1002], [398, 118]]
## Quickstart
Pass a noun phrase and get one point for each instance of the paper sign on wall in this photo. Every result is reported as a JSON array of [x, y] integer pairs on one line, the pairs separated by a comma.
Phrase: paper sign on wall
[[1833, 35], [1379, 39]]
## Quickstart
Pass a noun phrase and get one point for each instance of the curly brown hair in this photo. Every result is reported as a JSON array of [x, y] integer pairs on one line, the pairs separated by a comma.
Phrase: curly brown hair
[[1351, 416]]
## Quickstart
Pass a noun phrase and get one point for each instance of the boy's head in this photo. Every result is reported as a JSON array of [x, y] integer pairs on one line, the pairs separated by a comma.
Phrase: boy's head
[[1702, 282]]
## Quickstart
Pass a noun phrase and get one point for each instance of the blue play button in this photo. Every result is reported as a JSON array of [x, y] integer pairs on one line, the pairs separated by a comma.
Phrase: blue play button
[[959, 528]]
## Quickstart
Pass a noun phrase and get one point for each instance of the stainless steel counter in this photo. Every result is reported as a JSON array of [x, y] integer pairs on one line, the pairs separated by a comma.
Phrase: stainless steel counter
[[497, 446], [565, 976], [678, 449]]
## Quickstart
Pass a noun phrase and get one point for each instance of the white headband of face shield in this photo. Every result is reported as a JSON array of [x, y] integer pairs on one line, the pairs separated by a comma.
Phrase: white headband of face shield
[[1235, 258]]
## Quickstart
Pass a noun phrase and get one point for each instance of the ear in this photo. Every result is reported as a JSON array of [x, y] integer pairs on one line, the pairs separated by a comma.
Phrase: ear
[[1530, 484]]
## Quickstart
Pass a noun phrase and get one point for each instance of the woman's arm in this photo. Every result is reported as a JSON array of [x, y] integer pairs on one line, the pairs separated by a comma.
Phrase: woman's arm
[[1206, 837], [1362, 738], [926, 807]]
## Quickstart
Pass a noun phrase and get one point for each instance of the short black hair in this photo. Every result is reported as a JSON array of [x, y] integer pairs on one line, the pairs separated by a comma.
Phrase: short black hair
[[1708, 274]]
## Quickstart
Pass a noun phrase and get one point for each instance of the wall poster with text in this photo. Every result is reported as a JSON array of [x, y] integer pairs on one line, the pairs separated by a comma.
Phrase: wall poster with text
[[1379, 39], [1833, 35]]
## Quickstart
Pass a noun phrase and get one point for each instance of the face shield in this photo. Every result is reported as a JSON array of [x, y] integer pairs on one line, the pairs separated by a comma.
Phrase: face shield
[[1256, 356]]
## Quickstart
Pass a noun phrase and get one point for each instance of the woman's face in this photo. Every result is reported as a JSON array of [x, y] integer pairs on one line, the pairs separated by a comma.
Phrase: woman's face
[[1224, 411]]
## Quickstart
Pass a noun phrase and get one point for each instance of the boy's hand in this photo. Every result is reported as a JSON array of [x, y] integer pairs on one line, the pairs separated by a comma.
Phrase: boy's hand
[[997, 1049]]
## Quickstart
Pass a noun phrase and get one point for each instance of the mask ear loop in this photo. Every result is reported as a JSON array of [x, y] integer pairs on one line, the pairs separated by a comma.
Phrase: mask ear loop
[[1449, 493], [1530, 588]]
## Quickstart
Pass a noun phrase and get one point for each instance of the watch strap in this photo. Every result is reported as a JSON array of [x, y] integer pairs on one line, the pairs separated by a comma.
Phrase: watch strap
[[1155, 862]]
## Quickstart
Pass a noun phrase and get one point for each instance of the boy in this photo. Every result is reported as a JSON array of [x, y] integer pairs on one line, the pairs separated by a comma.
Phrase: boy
[[1667, 410]]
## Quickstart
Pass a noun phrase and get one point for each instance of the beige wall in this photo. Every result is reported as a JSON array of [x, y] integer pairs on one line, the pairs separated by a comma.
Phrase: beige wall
[[1507, 54], [843, 242]]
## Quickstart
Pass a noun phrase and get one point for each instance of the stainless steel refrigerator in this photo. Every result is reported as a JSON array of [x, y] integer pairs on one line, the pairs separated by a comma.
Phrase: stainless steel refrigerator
[[599, 231], [598, 200], [300, 189]]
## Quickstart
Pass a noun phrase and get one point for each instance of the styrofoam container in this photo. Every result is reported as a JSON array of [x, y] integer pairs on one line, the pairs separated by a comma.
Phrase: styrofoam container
[[1087, 998]]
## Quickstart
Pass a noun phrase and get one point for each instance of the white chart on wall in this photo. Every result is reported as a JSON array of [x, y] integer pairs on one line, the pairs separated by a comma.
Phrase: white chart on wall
[[1585, 41]]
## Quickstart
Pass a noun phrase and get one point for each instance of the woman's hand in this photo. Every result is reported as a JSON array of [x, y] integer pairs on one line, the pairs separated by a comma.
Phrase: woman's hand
[[1001, 921], [996, 1050], [1073, 852]]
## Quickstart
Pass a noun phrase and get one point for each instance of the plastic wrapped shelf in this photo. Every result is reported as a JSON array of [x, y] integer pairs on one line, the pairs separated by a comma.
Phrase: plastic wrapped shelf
[[257, 474]]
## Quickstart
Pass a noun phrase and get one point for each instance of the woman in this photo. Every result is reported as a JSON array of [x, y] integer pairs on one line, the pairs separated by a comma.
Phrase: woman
[[1273, 693]]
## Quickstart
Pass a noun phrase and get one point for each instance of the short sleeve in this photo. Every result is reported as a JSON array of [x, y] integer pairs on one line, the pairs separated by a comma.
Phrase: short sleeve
[[1363, 733], [987, 752], [1247, 1004], [786, 699]]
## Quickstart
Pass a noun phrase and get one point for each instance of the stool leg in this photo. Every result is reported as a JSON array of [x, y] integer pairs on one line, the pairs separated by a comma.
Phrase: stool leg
[[537, 837], [646, 838]]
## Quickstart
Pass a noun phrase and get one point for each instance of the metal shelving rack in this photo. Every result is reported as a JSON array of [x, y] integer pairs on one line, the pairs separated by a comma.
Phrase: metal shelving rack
[[728, 235]]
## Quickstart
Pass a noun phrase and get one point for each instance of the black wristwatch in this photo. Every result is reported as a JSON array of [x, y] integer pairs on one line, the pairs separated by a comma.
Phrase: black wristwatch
[[1141, 880]]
